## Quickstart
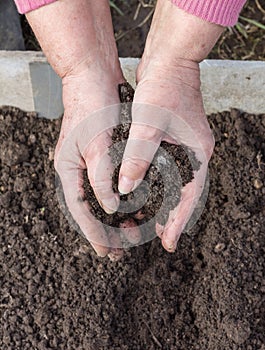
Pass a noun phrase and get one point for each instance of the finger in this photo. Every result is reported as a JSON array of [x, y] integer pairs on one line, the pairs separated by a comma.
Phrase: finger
[[116, 252], [93, 139], [100, 170], [140, 149], [100, 250], [159, 230], [70, 167], [149, 123], [179, 217], [72, 185], [131, 231]]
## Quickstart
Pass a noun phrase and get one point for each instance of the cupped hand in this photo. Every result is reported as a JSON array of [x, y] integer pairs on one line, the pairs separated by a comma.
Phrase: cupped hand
[[83, 150], [168, 107], [78, 40], [91, 111]]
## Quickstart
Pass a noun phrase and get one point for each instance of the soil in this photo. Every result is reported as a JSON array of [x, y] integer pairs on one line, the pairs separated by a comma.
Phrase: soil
[[56, 294], [170, 170], [245, 41]]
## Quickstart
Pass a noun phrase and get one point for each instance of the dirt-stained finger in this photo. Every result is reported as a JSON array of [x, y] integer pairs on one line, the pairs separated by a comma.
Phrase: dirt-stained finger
[[131, 231], [115, 253]]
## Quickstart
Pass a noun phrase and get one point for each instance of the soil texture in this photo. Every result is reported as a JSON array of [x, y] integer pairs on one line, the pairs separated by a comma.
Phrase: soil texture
[[56, 294]]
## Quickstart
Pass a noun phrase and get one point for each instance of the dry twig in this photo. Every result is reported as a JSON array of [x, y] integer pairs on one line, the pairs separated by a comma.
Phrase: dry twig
[[153, 336], [120, 36]]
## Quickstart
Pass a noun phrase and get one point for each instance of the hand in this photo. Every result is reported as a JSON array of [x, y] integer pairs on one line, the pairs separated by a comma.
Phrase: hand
[[83, 146], [168, 106], [85, 138], [173, 113], [77, 38]]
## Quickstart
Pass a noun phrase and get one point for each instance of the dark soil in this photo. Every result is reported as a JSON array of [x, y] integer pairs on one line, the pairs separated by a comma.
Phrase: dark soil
[[56, 294], [159, 193], [245, 41]]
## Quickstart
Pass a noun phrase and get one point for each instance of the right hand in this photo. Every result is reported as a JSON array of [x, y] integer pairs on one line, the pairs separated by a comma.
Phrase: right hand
[[92, 110], [83, 144], [78, 40]]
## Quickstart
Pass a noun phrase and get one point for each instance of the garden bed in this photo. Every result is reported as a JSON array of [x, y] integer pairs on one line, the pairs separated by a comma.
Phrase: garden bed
[[56, 294]]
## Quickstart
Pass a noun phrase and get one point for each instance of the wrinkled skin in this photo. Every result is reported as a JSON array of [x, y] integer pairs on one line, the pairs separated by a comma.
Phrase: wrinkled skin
[[77, 38]]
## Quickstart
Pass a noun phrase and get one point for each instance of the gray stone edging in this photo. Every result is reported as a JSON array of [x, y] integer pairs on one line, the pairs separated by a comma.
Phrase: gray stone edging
[[27, 81]]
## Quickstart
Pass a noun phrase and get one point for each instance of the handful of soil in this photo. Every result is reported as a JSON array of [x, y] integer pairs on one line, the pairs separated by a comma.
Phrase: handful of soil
[[159, 193]]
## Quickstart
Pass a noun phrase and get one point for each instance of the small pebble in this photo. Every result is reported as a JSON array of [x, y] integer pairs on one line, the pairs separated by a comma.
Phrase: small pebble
[[219, 247], [51, 154], [32, 139], [84, 249], [100, 269], [258, 184]]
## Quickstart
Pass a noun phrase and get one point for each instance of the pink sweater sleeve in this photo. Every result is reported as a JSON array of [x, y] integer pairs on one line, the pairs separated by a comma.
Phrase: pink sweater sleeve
[[25, 6], [223, 12]]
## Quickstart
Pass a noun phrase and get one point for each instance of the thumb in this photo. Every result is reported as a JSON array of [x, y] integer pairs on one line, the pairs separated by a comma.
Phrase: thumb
[[140, 149]]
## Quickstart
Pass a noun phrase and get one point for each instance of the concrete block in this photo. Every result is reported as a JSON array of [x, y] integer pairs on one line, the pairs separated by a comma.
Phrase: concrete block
[[15, 80], [233, 84], [46, 90], [27, 81], [129, 66]]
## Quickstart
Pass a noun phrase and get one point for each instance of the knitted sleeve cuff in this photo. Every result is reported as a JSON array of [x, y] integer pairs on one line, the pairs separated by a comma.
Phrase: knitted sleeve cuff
[[25, 6], [223, 12]]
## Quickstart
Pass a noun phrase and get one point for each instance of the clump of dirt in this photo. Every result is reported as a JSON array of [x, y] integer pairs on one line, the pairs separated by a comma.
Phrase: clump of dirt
[[159, 193], [56, 294]]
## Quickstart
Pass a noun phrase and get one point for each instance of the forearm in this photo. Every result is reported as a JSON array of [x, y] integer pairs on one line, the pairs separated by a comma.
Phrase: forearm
[[223, 12], [186, 37], [71, 33]]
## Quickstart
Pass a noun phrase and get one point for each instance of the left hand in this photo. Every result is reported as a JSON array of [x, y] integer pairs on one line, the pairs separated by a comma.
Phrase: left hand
[[168, 107]]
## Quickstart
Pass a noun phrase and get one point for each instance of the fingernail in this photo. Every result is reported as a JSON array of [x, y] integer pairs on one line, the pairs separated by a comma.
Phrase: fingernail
[[170, 245], [115, 255], [111, 206], [125, 185]]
